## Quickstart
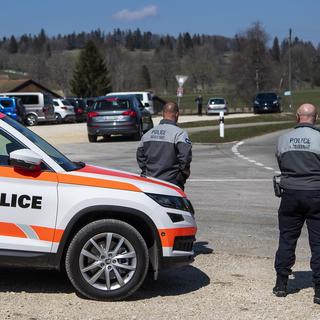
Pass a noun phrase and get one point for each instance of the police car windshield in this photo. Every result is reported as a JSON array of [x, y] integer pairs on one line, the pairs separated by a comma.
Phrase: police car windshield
[[52, 152]]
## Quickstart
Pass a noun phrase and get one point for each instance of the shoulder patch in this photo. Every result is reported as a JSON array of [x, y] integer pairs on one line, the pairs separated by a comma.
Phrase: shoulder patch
[[188, 141]]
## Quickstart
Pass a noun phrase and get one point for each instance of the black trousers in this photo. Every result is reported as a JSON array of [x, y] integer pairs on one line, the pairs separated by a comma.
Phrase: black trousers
[[200, 109], [298, 206]]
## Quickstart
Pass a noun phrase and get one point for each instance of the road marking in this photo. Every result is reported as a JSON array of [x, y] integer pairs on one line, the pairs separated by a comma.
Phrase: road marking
[[259, 164]]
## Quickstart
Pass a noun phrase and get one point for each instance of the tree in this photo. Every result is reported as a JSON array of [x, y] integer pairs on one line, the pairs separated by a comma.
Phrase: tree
[[91, 75], [250, 68], [145, 77], [13, 45], [275, 51]]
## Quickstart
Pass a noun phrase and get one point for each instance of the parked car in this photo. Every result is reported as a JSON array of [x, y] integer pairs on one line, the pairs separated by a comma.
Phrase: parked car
[[266, 102], [38, 105], [80, 108], [215, 105], [64, 111], [8, 106], [118, 115], [144, 96]]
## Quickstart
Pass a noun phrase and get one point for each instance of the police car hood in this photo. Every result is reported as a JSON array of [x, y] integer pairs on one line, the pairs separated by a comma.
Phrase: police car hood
[[126, 181]]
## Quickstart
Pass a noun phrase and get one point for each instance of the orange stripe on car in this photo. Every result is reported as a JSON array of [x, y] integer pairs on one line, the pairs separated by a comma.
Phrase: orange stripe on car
[[108, 172], [44, 233], [11, 230], [9, 172], [94, 182], [48, 234], [167, 236]]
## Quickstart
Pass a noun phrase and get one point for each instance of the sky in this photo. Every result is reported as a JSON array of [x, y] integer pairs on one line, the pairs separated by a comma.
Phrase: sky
[[223, 17]]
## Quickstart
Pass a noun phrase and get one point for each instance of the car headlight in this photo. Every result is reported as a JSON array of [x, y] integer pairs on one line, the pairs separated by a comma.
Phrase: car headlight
[[256, 102], [275, 101], [172, 202]]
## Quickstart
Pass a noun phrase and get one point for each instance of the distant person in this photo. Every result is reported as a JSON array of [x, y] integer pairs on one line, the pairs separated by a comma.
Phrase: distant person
[[198, 101], [165, 152], [298, 155], [21, 111]]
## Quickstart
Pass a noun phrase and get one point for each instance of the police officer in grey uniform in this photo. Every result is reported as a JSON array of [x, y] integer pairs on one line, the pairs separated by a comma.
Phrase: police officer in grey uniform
[[298, 155], [165, 152]]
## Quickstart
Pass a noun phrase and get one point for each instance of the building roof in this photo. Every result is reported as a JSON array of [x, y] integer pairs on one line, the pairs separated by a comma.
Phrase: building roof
[[19, 85]]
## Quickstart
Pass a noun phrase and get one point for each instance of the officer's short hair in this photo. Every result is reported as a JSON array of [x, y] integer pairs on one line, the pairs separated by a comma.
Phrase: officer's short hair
[[170, 107]]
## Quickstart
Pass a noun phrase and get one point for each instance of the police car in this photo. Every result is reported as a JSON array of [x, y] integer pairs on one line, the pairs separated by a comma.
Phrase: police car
[[106, 228]]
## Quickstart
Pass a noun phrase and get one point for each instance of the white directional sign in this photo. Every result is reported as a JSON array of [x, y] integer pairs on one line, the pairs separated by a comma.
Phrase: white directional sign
[[181, 79]]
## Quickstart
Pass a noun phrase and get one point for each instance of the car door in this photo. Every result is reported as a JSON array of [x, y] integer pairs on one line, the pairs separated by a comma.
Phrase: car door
[[28, 203], [146, 119]]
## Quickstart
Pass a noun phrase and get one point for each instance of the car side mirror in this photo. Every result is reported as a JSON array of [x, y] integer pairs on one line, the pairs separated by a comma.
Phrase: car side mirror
[[147, 104], [25, 159]]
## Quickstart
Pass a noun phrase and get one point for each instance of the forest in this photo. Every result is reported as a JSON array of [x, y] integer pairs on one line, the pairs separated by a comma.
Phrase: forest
[[238, 67]]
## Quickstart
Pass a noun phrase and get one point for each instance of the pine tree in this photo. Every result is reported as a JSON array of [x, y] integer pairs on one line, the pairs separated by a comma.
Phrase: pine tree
[[180, 46], [91, 75], [145, 77], [275, 51], [13, 45], [187, 41]]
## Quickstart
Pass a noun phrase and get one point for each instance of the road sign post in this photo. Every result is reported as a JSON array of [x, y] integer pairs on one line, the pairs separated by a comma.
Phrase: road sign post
[[221, 124], [181, 79]]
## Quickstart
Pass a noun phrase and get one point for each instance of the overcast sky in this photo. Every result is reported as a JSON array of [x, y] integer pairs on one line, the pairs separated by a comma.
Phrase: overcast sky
[[223, 17]]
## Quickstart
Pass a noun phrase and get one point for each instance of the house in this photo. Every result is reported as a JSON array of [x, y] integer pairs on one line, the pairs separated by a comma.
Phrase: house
[[24, 85]]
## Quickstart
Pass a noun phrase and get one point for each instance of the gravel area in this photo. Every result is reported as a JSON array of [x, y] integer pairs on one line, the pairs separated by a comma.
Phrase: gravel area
[[216, 286]]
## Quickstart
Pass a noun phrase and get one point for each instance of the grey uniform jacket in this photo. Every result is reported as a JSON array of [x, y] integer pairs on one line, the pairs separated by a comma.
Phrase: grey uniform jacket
[[165, 153], [298, 155]]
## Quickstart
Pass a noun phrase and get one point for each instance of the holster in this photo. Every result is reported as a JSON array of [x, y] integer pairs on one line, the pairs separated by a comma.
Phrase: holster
[[276, 186]]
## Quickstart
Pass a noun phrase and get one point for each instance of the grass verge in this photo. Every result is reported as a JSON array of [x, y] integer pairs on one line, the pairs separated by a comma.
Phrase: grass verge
[[237, 134], [257, 118]]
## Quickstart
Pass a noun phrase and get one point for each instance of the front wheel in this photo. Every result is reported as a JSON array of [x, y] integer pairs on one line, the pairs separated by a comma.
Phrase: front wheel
[[92, 137], [31, 120], [137, 136], [58, 118], [107, 260]]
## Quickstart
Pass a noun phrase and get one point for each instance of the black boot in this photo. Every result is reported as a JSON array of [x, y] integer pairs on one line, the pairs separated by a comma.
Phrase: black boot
[[316, 298], [280, 289]]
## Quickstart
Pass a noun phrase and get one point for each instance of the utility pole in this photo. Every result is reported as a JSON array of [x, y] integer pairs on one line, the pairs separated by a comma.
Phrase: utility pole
[[257, 78], [289, 71]]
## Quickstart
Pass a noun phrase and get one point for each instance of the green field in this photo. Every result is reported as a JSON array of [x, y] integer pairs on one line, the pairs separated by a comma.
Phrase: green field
[[256, 118], [188, 105], [236, 134]]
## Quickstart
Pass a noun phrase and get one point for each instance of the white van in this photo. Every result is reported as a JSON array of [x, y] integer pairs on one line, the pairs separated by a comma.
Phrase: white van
[[39, 106], [144, 96]]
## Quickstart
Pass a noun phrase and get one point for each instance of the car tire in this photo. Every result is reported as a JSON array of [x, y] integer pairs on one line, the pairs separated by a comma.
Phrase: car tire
[[107, 260], [137, 136], [107, 136], [92, 137], [58, 118], [31, 120]]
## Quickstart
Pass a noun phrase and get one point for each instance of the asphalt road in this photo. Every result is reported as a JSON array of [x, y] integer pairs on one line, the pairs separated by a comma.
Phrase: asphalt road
[[233, 197]]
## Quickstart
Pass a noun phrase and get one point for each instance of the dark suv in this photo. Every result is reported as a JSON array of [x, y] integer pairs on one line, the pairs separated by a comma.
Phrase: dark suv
[[266, 102], [80, 108], [118, 115]]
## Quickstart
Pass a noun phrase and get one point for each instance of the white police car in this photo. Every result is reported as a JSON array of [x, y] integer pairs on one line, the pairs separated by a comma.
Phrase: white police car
[[106, 227]]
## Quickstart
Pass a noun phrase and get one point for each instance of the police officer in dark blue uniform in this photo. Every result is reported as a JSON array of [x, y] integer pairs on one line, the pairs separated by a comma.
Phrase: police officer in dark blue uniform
[[298, 155]]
